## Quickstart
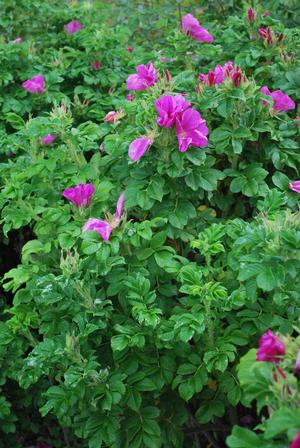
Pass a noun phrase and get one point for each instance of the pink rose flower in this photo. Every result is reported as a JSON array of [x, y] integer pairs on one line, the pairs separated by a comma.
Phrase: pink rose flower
[[80, 195], [138, 147], [296, 442], [73, 26], [282, 102], [168, 108], [48, 139], [129, 97], [271, 348], [104, 228], [130, 49], [191, 129], [144, 78], [96, 65], [18, 40], [295, 186], [192, 27], [35, 84]]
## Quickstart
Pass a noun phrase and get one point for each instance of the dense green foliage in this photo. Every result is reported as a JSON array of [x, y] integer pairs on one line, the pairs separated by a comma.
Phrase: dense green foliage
[[137, 342]]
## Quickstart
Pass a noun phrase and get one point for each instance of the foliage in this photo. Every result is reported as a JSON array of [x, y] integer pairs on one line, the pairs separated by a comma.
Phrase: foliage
[[141, 341]]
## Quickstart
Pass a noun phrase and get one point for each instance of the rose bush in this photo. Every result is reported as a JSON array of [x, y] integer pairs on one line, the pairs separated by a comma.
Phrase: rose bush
[[150, 226]]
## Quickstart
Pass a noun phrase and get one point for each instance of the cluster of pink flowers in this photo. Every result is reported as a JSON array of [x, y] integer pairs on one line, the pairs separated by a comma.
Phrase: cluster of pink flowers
[[251, 14], [220, 73], [192, 27], [35, 84], [282, 102], [73, 26], [272, 349], [217, 75], [104, 228], [268, 35], [146, 76], [191, 128], [81, 196]]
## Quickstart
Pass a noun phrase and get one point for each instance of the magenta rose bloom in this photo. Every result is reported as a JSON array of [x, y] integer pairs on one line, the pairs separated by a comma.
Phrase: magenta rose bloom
[[138, 147], [48, 139], [271, 348], [168, 108], [104, 228], [192, 27], [282, 102], [144, 78], [296, 442], [73, 26], [295, 186], [35, 84], [191, 129], [80, 195]]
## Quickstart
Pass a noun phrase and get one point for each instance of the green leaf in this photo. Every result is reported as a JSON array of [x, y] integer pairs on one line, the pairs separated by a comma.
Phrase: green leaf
[[243, 438], [281, 421], [134, 400], [119, 342], [15, 120]]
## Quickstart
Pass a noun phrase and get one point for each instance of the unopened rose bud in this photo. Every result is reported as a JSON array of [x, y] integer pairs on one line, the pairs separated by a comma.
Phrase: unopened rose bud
[[280, 38], [250, 14], [110, 116], [167, 75]]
